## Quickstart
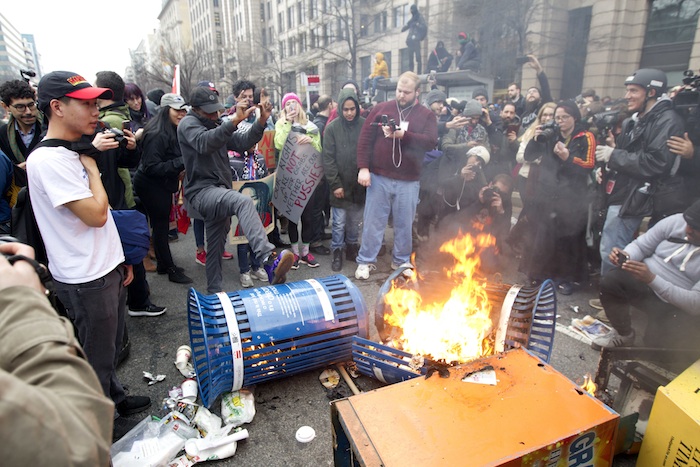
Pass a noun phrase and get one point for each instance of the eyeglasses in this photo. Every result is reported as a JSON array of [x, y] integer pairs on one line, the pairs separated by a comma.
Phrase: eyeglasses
[[23, 107], [562, 118]]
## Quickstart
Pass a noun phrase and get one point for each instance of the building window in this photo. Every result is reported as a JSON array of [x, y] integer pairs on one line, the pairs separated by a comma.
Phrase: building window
[[263, 37], [364, 26], [341, 29], [216, 3], [217, 18], [302, 43], [219, 41], [290, 17], [313, 4], [301, 13], [262, 12], [280, 21], [669, 37]]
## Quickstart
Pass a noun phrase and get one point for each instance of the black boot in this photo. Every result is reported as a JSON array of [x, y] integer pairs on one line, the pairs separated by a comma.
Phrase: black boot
[[351, 250], [337, 264], [177, 276]]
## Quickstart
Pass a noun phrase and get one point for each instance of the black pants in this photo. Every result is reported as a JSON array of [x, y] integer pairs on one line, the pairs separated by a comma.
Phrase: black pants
[[414, 49], [158, 201], [668, 326]]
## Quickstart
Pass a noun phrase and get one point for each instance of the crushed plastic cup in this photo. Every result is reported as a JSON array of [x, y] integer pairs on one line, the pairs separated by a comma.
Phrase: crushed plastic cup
[[183, 355], [207, 421], [189, 390]]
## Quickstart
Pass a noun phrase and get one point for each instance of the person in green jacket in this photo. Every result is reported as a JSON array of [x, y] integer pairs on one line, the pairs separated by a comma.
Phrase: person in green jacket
[[347, 197], [293, 118]]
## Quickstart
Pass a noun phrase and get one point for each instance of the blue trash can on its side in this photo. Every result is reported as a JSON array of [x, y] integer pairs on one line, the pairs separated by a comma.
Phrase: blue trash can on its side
[[251, 336]]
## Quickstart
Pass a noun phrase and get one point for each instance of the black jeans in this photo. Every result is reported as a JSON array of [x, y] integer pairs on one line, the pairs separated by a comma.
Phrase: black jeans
[[668, 326], [158, 201], [414, 49]]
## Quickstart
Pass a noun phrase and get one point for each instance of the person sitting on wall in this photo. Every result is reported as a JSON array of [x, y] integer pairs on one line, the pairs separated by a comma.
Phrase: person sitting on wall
[[381, 70]]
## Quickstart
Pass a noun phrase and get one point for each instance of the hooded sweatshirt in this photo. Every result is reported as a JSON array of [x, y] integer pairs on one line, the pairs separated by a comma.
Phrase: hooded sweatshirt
[[675, 263], [380, 67], [340, 154]]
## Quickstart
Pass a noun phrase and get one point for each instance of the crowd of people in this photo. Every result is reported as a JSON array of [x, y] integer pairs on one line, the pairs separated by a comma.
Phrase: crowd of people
[[429, 166]]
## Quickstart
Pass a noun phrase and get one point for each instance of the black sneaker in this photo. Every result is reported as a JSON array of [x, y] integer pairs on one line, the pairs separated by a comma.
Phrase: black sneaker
[[121, 427], [320, 249], [277, 266], [133, 404], [309, 260], [178, 276], [148, 310]]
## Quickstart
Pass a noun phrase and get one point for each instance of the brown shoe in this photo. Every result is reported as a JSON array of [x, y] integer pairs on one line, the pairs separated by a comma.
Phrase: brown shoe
[[149, 265], [595, 303]]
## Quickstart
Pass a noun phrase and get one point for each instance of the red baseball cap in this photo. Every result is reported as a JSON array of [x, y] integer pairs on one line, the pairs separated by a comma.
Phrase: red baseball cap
[[59, 84]]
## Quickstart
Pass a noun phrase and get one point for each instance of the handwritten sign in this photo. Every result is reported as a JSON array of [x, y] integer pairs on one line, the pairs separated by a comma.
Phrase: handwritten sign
[[266, 146], [299, 172], [260, 190]]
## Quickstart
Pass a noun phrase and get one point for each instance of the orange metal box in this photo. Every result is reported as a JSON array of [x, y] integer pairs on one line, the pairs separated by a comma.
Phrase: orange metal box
[[532, 416]]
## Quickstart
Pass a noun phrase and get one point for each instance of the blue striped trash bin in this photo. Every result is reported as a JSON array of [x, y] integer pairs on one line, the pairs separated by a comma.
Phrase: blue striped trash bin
[[250, 336]]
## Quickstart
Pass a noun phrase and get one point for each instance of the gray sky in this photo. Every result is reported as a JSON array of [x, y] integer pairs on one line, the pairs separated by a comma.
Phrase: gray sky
[[85, 36]]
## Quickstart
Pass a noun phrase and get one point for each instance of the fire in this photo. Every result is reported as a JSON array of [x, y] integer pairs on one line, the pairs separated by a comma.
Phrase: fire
[[460, 328], [588, 385]]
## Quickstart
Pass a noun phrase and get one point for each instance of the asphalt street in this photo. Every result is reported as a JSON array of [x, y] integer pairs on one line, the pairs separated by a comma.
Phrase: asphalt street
[[286, 404]]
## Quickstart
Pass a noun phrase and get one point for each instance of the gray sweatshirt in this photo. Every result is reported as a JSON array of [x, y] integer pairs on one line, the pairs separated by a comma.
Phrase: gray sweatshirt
[[204, 145], [676, 265]]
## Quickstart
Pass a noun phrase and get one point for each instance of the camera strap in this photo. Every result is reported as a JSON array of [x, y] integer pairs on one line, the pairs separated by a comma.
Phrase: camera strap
[[39, 268]]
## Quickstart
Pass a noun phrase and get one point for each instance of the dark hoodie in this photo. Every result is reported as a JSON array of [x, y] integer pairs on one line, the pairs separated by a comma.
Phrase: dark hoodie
[[340, 154]]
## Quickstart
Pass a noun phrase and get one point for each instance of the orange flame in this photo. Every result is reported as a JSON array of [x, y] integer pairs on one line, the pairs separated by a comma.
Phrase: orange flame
[[588, 385], [460, 328]]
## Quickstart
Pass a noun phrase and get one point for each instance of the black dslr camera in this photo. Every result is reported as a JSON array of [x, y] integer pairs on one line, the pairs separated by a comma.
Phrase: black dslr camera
[[689, 97], [550, 132], [489, 194], [605, 122]]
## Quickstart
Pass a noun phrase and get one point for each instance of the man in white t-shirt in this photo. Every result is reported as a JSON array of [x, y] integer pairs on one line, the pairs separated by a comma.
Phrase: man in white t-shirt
[[82, 242]]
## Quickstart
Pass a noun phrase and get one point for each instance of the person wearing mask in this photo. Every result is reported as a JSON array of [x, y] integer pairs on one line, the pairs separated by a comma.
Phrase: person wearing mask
[[417, 31], [439, 59], [468, 56]]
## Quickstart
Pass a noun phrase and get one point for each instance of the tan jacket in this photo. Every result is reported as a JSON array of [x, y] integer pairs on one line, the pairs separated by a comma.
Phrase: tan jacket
[[52, 410]]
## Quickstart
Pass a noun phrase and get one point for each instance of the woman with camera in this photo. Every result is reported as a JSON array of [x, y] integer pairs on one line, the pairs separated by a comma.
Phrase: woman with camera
[[560, 201], [293, 119]]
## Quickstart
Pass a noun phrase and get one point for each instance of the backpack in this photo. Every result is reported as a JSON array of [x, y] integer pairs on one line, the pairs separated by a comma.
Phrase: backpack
[[420, 30], [24, 228]]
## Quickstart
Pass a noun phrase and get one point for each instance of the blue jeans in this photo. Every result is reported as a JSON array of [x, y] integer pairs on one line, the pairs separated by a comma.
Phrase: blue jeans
[[388, 196], [244, 263], [617, 232], [346, 226], [374, 82]]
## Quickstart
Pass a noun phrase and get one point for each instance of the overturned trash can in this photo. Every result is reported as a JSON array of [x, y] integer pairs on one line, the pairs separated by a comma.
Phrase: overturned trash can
[[255, 335]]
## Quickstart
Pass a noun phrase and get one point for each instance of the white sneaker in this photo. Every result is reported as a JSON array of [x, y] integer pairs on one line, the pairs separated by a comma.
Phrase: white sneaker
[[395, 266], [246, 280], [260, 274], [613, 339], [363, 270]]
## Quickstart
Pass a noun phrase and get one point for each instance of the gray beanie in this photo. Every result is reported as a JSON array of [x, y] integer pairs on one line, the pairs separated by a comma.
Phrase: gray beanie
[[435, 96], [472, 109]]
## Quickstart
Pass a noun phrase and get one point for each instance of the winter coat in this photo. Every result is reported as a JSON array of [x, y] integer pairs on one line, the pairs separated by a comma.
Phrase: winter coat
[[114, 115], [161, 161], [340, 155], [380, 67]]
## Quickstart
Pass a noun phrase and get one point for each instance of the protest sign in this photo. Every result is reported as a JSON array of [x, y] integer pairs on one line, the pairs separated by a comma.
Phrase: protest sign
[[260, 191], [298, 174], [266, 146]]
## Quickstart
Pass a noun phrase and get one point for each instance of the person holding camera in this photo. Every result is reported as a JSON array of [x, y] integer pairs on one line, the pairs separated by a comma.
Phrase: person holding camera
[[53, 409], [390, 153], [293, 118], [560, 205], [659, 274]]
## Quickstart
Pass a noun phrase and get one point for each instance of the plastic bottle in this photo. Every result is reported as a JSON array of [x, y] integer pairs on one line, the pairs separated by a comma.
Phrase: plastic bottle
[[205, 449]]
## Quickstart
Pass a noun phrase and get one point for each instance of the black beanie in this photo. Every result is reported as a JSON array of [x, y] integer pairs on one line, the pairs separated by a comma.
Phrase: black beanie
[[692, 216], [571, 108], [480, 92]]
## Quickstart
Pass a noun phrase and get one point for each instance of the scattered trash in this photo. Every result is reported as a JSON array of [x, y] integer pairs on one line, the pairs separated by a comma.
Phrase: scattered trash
[[485, 375], [153, 379], [351, 368], [152, 442], [175, 393], [417, 362], [214, 447], [329, 378], [182, 361], [575, 308], [348, 379], [305, 434], [207, 422], [238, 407], [189, 390], [589, 327]]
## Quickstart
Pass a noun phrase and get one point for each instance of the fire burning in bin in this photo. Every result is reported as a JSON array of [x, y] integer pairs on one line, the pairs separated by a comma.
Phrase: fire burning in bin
[[417, 316]]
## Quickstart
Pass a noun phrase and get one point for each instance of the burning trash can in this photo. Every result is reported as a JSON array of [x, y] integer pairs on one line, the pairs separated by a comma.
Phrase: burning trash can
[[255, 335]]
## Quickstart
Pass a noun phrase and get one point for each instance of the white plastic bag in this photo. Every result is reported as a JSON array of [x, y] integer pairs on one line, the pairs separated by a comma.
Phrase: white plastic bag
[[238, 407]]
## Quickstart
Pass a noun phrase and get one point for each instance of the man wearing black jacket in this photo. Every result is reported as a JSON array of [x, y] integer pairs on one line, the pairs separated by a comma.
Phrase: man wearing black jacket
[[23, 130]]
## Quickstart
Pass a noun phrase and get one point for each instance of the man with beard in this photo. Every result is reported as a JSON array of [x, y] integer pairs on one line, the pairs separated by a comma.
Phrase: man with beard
[[535, 97], [503, 136], [393, 142], [516, 97], [659, 274]]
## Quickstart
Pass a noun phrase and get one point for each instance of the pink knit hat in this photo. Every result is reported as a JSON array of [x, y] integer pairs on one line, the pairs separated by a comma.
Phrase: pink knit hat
[[290, 96]]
